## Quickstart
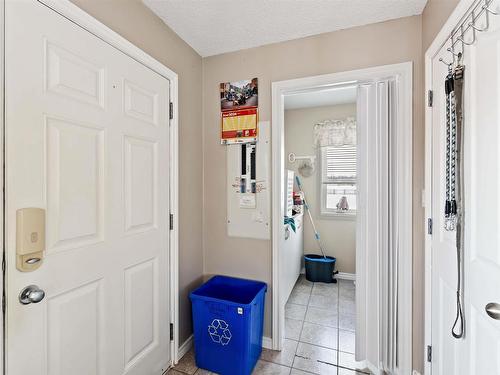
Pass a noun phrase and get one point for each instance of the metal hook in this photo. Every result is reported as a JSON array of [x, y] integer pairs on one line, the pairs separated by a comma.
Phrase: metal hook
[[477, 28], [462, 32], [450, 50], [487, 9], [444, 62], [466, 43]]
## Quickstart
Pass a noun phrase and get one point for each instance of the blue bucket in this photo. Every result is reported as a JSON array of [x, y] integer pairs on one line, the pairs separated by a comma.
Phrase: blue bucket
[[320, 269]]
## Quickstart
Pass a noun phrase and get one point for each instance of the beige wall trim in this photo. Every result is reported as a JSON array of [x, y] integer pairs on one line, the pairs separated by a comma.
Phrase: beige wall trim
[[267, 342], [186, 347], [403, 72], [433, 50], [346, 276]]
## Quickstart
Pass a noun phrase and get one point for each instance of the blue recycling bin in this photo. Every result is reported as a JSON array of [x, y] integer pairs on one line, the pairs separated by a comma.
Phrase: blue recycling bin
[[228, 319]]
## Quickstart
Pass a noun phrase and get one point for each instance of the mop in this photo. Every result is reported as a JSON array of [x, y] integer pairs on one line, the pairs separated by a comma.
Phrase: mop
[[316, 234]]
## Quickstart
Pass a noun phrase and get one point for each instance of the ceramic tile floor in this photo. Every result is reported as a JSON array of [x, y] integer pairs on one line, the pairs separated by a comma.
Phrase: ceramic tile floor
[[319, 334]]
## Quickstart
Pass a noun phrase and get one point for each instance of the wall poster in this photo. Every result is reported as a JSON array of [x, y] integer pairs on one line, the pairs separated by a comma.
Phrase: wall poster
[[239, 111]]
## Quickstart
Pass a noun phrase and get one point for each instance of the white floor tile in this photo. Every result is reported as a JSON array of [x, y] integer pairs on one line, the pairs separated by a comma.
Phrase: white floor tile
[[347, 341], [319, 335], [294, 311], [347, 321], [284, 357], [269, 368], [326, 317], [324, 302], [293, 328]]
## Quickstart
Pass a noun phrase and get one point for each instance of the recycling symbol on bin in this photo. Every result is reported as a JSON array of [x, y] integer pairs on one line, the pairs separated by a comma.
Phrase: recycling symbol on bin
[[219, 332]]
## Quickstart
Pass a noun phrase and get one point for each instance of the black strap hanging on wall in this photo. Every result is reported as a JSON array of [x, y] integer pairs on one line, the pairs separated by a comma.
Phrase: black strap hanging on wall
[[458, 78], [454, 202], [450, 208]]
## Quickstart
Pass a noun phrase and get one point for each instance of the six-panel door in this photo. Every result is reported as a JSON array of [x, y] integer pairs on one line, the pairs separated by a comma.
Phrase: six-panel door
[[88, 140]]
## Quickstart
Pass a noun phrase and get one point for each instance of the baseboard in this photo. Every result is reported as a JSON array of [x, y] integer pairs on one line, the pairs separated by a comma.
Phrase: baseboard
[[340, 275], [346, 276], [370, 366], [185, 347], [267, 342]]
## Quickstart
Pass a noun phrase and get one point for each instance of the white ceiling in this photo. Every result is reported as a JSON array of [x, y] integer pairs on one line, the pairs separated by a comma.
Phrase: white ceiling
[[334, 96], [213, 27]]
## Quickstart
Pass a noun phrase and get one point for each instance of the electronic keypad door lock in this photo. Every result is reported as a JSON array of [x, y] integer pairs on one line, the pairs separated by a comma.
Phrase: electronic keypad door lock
[[30, 238]]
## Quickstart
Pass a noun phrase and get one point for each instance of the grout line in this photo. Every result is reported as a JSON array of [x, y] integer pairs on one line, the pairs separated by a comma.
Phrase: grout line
[[302, 326]]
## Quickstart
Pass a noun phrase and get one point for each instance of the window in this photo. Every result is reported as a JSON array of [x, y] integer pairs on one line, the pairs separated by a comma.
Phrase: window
[[338, 179]]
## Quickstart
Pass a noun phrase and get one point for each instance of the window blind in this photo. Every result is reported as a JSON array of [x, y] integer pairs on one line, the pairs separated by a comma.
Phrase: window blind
[[340, 164]]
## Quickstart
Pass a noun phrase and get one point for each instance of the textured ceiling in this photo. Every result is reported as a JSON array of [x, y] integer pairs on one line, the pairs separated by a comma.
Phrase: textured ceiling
[[213, 27], [336, 96]]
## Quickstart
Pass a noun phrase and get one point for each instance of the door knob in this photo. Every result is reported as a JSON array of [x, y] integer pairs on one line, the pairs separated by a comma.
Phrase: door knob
[[493, 310], [31, 294]]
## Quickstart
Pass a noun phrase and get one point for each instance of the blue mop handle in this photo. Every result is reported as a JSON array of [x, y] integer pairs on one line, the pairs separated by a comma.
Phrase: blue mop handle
[[298, 182], [316, 234]]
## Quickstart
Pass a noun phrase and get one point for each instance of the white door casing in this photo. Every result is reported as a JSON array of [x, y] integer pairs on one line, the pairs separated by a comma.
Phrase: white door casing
[[87, 138], [479, 351]]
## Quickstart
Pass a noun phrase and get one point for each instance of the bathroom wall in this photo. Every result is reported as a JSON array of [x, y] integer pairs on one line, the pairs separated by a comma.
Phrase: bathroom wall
[[338, 234]]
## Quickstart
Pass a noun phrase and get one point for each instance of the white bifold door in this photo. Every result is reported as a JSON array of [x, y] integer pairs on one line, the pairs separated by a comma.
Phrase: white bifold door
[[382, 337], [478, 352], [87, 139]]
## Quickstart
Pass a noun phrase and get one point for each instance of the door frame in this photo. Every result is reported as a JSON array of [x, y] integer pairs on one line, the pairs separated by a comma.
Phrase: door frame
[[75, 14], [279, 89], [460, 10]]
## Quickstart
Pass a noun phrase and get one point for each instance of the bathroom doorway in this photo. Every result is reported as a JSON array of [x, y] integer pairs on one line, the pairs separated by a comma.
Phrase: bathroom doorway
[[352, 154], [320, 170]]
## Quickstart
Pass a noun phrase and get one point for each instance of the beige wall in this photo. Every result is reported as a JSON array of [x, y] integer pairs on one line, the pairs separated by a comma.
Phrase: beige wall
[[138, 24], [435, 14], [338, 235], [360, 47]]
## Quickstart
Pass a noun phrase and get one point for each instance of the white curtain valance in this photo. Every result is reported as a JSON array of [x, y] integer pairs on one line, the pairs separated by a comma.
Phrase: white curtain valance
[[335, 132]]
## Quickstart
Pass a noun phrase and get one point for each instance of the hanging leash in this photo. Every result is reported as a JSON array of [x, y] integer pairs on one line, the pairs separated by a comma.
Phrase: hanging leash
[[450, 154], [454, 204], [459, 82]]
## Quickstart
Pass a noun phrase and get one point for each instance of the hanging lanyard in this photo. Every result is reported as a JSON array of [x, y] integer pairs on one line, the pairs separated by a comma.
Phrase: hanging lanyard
[[450, 208], [454, 203]]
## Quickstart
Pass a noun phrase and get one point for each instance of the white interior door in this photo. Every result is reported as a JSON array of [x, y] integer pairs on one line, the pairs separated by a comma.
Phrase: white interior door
[[447, 351], [479, 351], [87, 139]]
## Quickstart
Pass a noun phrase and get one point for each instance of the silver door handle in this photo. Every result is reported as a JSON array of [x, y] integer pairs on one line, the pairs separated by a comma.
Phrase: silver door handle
[[31, 294], [493, 310]]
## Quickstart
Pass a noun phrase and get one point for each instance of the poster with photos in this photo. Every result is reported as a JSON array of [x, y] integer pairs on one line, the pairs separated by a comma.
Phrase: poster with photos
[[239, 103]]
